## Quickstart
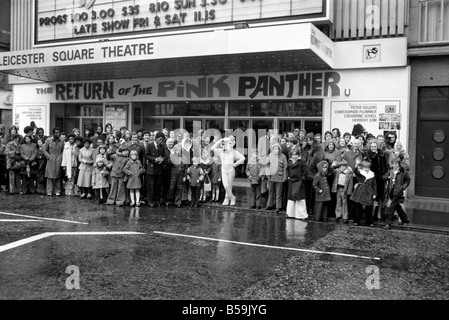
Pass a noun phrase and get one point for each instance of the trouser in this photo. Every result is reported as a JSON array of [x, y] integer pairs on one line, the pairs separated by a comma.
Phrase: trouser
[[320, 210], [53, 184], [341, 209], [368, 214], [165, 187], [228, 181], [176, 186], [154, 188], [310, 195], [117, 192], [297, 209], [14, 181], [28, 183], [275, 192], [395, 206], [101, 195], [255, 195], [195, 195]]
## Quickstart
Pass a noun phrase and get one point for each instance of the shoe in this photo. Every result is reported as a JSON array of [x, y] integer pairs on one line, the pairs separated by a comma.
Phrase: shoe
[[277, 211], [404, 222], [137, 204], [233, 201], [371, 225], [81, 196], [192, 205], [58, 194], [132, 204], [48, 194], [355, 224], [212, 199], [226, 202], [179, 206], [89, 196], [387, 227], [345, 221], [324, 220], [337, 220]]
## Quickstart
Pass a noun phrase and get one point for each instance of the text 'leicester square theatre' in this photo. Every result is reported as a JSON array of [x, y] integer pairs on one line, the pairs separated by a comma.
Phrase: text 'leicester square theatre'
[[211, 64]]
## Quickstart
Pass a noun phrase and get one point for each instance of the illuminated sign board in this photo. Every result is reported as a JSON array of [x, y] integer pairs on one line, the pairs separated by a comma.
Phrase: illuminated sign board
[[61, 20]]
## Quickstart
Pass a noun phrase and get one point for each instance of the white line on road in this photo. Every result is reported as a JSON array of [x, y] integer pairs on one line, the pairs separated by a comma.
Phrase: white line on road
[[40, 218], [267, 246], [20, 220], [22, 242]]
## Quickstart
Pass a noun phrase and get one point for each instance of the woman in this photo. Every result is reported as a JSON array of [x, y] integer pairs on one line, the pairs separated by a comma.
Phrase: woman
[[14, 163], [88, 133], [76, 132], [12, 131], [108, 129], [332, 156], [70, 163], [3, 171], [28, 173], [399, 152], [296, 173], [41, 163], [379, 166], [86, 166], [327, 136]]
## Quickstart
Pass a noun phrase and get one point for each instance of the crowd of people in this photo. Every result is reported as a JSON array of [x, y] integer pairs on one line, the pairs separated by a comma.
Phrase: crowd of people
[[352, 175]]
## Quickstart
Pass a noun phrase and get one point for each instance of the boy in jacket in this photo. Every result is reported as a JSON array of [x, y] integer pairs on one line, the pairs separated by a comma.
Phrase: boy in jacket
[[342, 186], [253, 171], [117, 193], [195, 175], [398, 180], [322, 192]]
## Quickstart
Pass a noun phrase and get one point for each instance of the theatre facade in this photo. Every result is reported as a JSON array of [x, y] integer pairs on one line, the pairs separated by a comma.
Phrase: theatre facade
[[219, 64]]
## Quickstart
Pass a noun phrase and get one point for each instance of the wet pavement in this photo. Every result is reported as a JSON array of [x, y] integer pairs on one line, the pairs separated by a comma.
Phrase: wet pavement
[[212, 252]]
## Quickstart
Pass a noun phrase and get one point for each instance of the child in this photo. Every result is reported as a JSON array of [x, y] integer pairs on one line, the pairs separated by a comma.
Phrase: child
[[398, 180], [195, 175], [117, 192], [216, 178], [133, 169], [296, 196], [342, 186], [253, 171], [322, 192], [206, 165], [100, 182], [365, 192], [276, 171]]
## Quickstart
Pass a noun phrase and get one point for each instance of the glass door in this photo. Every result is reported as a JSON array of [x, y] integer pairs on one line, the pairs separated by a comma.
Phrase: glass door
[[288, 125]]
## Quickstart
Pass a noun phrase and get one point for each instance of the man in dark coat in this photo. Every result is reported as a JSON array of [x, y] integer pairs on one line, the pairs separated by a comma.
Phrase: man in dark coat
[[53, 152], [155, 154]]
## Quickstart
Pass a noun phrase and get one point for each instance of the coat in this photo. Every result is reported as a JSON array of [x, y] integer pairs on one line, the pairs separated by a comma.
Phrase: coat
[[99, 181], [12, 154], [53, 152], [401, 182], [152, 153], [28, 152], [322, 190], [133, 169], [365, 188], [314, 156], [379, 165], [195, 174], [253, 171], [216, 173], [118, 163], [69, 158], [348, 187], [277, 167], [297, 174]]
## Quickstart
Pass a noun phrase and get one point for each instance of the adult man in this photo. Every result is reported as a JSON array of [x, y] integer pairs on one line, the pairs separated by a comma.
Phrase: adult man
[[155, 154], [263, 150], [53, 148], [166, 170]]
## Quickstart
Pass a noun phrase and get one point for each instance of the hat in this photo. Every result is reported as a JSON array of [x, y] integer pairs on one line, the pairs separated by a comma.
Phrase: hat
[[370, 136], [28, 129], [160, 135], [358, 129]]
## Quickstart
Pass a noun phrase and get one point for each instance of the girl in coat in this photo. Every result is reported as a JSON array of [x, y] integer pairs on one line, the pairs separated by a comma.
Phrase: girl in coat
[[206, 165], [365, 191], [85, 174], [133, 169], [29, 171], [100, 182], [296, 174], [216, 178], [195, 175], [70, 163], [253, 171], [322, 192]]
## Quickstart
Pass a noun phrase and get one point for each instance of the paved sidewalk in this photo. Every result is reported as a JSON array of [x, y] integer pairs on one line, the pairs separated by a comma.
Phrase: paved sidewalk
[[425, 214]]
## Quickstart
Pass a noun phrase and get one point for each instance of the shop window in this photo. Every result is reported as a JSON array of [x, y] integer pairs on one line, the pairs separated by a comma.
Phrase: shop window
[[304, 108], [83, 110], [199, 109], [433, 21]]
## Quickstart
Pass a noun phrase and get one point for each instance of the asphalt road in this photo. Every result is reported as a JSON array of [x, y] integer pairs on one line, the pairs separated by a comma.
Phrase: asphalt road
[[67, 248]]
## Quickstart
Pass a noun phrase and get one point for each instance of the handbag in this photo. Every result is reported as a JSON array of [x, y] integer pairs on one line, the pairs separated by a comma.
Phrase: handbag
[[207, 184]]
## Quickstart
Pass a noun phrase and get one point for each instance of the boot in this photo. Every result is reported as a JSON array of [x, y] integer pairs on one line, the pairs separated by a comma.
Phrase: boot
[[233, 201], [226, 202]]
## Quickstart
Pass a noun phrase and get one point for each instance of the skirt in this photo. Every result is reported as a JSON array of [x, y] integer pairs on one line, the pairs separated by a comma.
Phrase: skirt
[[85, 178], [363, 194]]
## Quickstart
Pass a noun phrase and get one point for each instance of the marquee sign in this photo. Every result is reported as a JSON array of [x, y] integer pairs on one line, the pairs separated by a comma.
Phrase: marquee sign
[[58, 20]]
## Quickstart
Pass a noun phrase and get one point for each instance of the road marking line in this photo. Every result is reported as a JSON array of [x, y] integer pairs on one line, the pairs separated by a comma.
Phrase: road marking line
[[20, 220], [22, 242], [267, 246], [40, 218]]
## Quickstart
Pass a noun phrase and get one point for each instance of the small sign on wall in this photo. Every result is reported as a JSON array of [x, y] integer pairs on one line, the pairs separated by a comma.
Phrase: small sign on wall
[[24, 115], [371, 53]]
